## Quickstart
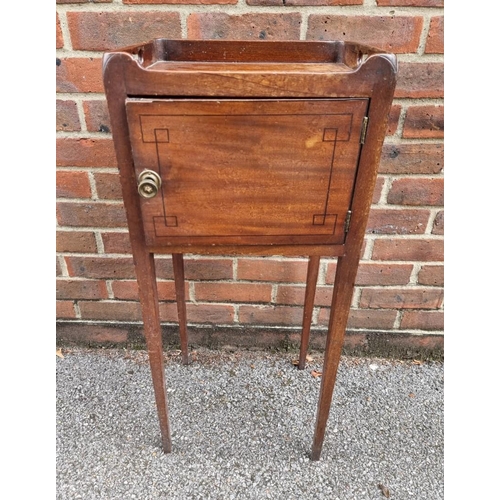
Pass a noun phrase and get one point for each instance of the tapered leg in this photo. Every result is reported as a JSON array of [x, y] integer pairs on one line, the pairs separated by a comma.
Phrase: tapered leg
[[339, 314], [116, 93], [312, 279], [148, 294], [180, 294]]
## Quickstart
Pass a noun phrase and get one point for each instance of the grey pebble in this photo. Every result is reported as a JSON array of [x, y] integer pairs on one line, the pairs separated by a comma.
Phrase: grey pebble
[[242, 427]]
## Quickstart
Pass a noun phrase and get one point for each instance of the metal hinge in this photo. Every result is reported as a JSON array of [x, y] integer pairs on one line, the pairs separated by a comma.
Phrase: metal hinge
[[347, 221], [364, 126]]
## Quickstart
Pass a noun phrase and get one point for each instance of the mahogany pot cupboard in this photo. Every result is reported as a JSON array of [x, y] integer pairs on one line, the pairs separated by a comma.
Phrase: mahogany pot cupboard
[[248, 148]]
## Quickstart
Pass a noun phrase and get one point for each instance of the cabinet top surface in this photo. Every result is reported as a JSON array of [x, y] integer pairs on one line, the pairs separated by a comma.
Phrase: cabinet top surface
[[251, 56], [250, 67]]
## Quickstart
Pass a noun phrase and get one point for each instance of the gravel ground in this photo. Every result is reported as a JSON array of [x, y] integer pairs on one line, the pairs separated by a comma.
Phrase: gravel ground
[[242, 427]]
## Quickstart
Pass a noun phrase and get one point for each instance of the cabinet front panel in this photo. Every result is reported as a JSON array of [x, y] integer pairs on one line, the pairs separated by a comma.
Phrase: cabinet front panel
[[249, 172]]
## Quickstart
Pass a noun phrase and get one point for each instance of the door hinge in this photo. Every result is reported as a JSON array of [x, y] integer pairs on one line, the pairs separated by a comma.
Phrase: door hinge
[[347, 221], [364, 126]]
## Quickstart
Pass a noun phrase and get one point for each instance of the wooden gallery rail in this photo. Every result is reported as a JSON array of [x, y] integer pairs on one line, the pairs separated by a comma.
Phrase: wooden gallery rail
[[248, 148]]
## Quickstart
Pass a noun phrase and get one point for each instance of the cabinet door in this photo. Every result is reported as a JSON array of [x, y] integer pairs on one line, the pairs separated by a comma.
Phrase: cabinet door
[[247, 172]]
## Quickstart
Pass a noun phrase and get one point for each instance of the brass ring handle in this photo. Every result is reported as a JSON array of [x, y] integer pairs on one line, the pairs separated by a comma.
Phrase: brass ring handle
[[149, 184]]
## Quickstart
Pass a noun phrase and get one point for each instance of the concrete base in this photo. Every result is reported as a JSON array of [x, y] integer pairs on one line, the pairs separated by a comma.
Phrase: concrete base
[[357, 343]]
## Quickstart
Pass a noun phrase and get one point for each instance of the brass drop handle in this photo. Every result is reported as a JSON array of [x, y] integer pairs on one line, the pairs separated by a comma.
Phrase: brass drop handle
[[149, 184]]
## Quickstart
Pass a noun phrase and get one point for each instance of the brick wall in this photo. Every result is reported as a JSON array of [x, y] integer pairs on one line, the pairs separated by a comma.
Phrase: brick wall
[[400, 280]]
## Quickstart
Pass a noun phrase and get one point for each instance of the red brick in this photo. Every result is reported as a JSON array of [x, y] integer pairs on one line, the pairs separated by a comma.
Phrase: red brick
[[91, 214], [314, 3], [81, 289], [363, 247], [71, 184], [412, 249], [220, 25], [399, 34], [438, 226], [128, 290], [379, 319], [65, 309], [79, 74], [416, 191], [108, 186], [422, 320], [424, 122], [83, 1], [214, 314], [383, 274], [76, 241], [295, 295], [331, 268], [101, 267], [199, 313], [394, 115], [412, 159], [67, 116], [402, 298], [59, 35], [232, 292], [112, 30], [180, 2], [435, 38], [377, 192], [168, 312], [208, 269], [289, 271], [270, 315], [376, 274], [116, 242], [58, 267], [410, 3], [97, 116], [431, 275], [110, 310], [419, 80], [374, 319], [384, 221], [85, 153], [197, 269]]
